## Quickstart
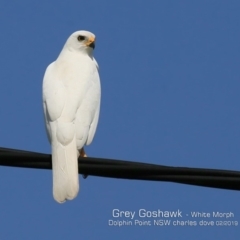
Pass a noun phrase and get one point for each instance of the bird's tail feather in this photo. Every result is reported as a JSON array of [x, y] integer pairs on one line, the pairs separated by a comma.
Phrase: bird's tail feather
[[65, 171]]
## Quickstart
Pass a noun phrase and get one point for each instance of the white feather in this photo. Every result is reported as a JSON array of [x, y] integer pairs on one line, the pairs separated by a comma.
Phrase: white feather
[[71, 103]]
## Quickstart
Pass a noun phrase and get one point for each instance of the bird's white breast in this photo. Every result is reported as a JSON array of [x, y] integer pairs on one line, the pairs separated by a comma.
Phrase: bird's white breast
[[71, 91]]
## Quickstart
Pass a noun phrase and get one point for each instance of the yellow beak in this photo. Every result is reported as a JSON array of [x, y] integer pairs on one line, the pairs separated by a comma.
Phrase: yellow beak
[[90, 41]]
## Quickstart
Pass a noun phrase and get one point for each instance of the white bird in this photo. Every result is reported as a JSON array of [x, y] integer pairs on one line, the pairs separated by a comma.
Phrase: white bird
[[71, 103]]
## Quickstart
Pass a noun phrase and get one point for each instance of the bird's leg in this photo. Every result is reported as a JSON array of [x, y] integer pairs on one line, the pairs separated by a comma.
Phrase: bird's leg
[[83, 154]]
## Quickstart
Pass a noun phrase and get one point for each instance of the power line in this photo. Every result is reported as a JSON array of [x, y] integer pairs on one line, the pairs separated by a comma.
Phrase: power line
[[128, 170]]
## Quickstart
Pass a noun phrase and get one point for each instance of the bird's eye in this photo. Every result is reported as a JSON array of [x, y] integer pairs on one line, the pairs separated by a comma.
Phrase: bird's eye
[[81, 38]]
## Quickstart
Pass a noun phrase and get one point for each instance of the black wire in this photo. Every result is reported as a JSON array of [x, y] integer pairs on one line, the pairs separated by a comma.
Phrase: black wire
[[128, 170]]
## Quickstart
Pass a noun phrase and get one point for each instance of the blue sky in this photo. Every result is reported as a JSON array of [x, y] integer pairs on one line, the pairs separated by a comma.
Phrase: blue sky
[[170, 95]]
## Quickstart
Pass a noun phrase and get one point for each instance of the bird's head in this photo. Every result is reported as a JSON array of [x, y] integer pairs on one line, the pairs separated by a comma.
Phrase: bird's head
[[83, 41]]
